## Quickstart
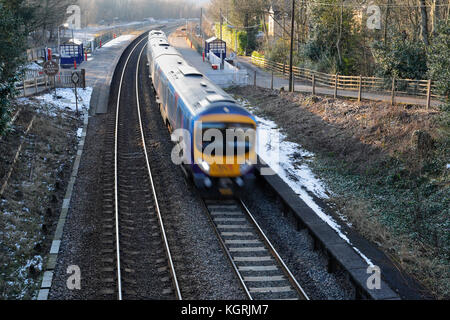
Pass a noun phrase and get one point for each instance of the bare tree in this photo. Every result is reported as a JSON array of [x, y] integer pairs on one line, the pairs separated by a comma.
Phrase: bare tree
[[424, 22]]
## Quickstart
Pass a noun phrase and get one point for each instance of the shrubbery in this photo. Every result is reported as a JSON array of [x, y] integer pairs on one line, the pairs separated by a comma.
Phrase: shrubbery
[[12, 46], [439, 60], [401, 58]]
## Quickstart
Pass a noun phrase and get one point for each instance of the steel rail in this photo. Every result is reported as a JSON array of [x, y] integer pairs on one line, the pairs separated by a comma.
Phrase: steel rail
[[228, 254], [161, 223], [258, 232], [116, 188], [286, 270]]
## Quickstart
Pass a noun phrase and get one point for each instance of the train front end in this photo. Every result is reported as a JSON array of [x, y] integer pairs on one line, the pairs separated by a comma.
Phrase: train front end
[[224, 150]]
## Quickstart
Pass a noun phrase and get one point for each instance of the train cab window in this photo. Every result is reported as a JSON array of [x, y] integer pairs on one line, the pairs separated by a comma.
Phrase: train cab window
[[245, 145]]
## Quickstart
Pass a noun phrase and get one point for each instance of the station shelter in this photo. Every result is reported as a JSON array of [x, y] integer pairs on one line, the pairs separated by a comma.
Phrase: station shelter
[[216, 46], [71, 52]]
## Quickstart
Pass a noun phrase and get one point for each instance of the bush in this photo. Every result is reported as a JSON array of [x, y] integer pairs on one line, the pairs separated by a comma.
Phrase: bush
[[401, 58], [439, 59], [257, 54], [12, 46], [321, 52]]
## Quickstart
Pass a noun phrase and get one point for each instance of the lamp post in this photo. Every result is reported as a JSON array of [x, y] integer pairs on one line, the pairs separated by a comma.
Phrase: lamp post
[[291, 56], [65, 25]]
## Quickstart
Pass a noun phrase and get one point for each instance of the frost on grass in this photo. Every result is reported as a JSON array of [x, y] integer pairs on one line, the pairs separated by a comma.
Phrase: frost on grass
[[290, 161], [30, 206]]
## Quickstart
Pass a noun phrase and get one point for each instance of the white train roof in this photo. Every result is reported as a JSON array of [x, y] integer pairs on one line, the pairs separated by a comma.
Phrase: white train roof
[[192, 86]]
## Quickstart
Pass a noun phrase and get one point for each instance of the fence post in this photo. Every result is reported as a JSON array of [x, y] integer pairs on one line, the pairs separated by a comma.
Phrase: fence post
[[429, 94], [393, 92], [83, 75], [360, 89], [24, 85], [284, 68], [293, 82], [35, 85], [254, 80], [335, 85], [271, 82], [314, 84]]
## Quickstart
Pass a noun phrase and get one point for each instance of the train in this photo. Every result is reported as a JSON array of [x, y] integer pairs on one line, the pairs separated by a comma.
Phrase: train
[[217, 136]]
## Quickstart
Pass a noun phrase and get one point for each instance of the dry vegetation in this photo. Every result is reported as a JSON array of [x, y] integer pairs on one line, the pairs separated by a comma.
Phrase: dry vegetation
[[29, 207], [387, 167]]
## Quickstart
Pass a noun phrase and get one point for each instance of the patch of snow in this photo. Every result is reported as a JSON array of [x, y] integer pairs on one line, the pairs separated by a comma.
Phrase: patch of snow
[[118, 41], [79, 132], [33, 66], [67, 99]]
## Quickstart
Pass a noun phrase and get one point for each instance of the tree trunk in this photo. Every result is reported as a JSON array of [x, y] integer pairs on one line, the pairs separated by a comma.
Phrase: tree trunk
[[386, 21], [424, 24], [435, 15], [338, 42]]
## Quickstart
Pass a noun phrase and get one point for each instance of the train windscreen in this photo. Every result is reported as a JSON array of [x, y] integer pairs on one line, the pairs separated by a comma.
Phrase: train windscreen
[[238, 137]]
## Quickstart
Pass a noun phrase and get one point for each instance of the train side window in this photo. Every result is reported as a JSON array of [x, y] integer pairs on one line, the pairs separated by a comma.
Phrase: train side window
[[171, 101], [166, 94], [156, 78], [179, 116]]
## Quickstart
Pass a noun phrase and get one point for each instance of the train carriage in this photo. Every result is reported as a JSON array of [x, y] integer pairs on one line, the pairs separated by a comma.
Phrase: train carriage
[[190, 103]]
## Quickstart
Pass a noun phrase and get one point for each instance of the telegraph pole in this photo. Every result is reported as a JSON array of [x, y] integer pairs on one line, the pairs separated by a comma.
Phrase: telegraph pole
[[291, 57], [201, 22], [221, 22]]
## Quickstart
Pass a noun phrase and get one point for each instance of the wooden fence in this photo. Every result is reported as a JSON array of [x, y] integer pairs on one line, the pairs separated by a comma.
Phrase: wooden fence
[[34, 81], [394, 87]]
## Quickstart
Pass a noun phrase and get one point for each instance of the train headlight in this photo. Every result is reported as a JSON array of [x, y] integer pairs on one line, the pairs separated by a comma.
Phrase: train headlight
[[244, 168], [204, 165]]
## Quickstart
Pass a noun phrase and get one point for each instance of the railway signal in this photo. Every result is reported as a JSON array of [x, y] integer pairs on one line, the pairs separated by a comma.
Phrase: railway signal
[[76, 80]]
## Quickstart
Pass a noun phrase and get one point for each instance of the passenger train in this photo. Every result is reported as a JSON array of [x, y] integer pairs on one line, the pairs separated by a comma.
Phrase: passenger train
[[190, 101]]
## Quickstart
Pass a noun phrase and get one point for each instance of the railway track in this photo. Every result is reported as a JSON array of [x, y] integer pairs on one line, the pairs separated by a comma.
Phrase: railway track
[[260, 269], [135, 249], [135, 246]]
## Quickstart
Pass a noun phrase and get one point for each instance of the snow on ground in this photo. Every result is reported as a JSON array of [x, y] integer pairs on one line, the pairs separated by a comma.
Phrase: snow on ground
[[283, 157], [33, 66], [65, 98], [89, 32], [118, 41]]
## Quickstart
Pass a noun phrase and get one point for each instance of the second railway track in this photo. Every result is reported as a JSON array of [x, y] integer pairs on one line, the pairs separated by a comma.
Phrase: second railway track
[[135, 249], [136, 260], [262, 272]]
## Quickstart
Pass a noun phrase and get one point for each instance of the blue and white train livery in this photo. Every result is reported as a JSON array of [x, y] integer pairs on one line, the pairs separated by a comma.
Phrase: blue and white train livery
[[190, 101]]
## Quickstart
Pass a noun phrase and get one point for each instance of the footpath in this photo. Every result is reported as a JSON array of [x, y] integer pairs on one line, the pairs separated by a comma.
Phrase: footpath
[[264, 78]]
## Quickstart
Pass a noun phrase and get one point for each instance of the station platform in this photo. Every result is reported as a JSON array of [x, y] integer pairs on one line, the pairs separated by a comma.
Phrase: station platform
[[100, 70], [223, 78]]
